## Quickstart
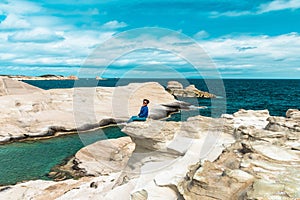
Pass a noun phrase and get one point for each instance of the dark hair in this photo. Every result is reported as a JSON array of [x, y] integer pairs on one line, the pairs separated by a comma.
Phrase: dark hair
[[146, 100]]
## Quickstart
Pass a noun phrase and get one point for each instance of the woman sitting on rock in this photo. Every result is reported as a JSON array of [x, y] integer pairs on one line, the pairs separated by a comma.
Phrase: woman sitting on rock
[[142, 116]]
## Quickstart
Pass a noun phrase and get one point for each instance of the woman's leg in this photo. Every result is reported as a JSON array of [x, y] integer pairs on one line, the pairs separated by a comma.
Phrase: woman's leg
[[133, 118], [140, 119]]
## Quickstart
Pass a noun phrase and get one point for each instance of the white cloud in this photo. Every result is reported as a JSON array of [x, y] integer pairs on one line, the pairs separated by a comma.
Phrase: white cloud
[[201, 34], [279, 5], [27, 15], [13, 21], [230, 13], [19, 7], [275, 5], [32, 36], [232, 54], [264, 52], [37, 35], [149, 57], [113, 25], [38, 70], [7, 56], [235, 66], [37, 47], [49, 40], [93, 11]]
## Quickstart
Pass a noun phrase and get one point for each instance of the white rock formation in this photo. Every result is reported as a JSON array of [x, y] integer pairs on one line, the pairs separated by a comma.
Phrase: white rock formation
[[254, 118], [175, 88], [12, 87], [247, 155], [31, 112], [105, 156], [84, 188]]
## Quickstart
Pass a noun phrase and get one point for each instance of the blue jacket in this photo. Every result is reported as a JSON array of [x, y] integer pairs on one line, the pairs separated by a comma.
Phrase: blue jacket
[[144, 112]]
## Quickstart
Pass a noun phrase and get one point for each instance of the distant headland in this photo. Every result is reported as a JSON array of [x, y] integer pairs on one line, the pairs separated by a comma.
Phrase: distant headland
[[42, 77]]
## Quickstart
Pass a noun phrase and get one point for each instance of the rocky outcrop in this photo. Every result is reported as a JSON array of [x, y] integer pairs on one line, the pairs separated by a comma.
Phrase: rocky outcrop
[[84, 188], [282, 124], [32, 112], [256, 118], [245, 171], [175, 88], [105, 157], [202, 158], [174, 85], [293, 114], [165, 150], [164, 110], [261, 164], [160, 160], [12, 87], [100, 158]]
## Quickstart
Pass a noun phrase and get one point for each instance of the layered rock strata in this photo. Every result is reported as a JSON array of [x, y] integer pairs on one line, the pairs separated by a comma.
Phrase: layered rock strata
[[31, 112], [175, 88], [247, 155]]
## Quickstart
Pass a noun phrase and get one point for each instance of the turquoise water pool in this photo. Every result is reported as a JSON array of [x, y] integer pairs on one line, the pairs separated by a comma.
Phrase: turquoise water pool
[[30, 160]]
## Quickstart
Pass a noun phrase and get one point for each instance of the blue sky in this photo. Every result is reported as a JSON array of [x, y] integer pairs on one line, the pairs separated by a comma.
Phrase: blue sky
[[244, 39]]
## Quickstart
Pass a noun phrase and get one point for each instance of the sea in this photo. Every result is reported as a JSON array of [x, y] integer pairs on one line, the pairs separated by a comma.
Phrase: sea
[[275, 95], [31, 160]]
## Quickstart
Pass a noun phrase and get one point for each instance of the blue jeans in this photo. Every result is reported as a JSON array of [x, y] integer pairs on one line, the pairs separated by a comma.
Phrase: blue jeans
[[136, 118]]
